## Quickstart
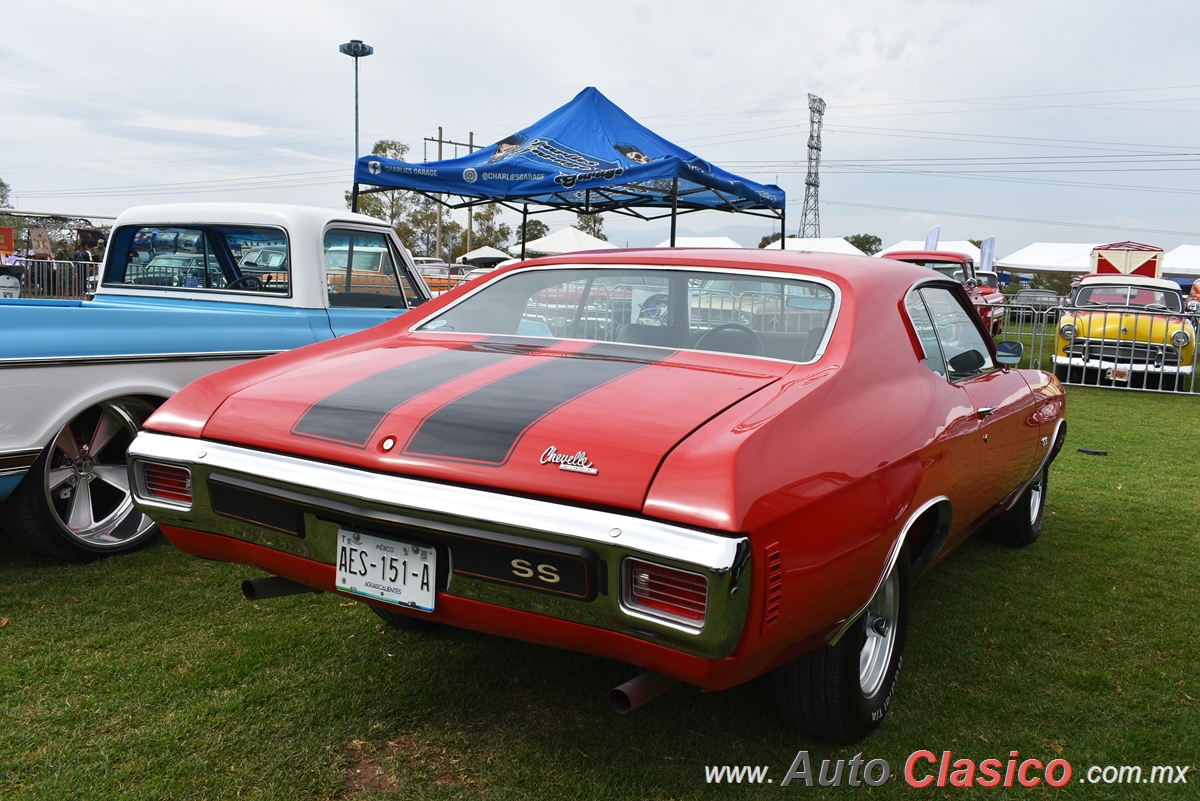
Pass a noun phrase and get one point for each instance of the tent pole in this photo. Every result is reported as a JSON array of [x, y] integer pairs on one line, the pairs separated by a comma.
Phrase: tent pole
[[674, 206], [354, 198], [782, 228], [524, 228]]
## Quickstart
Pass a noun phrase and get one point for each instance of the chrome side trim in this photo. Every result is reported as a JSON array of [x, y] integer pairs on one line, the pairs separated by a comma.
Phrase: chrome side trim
[[139, 358], [17, 462], [893, 555]]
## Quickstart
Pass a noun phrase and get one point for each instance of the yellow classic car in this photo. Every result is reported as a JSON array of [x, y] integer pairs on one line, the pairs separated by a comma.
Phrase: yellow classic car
[[1124, 328]]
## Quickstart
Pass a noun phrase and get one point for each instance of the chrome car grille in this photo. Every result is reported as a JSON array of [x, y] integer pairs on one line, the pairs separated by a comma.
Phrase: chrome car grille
[[1124, 352]]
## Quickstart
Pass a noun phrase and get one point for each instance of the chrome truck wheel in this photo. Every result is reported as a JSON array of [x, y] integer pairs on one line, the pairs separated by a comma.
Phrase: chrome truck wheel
[[75, 502]]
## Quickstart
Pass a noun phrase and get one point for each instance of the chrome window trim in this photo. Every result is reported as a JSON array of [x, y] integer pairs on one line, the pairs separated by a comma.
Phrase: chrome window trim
[[834, 311]]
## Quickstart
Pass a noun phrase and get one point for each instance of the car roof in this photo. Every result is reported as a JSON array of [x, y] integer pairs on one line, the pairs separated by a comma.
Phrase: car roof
[[842, 269], [1128, 280], [276, 214], [948, 256]]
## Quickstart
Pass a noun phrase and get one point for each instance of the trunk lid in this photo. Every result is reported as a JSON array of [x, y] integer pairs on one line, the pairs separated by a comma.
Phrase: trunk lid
[[585, 421]]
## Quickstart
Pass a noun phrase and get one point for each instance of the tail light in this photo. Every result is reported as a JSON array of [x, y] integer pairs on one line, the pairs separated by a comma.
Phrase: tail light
[[164, 482], [668, 593]]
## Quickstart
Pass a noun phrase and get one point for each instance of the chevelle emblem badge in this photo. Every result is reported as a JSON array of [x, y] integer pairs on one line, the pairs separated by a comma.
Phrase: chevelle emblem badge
[[576, 464]]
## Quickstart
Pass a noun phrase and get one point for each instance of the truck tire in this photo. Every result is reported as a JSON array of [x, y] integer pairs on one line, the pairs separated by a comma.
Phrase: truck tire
[[75, 503]]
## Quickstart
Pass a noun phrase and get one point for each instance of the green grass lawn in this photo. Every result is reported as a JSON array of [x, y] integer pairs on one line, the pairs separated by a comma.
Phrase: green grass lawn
[[147, 676]]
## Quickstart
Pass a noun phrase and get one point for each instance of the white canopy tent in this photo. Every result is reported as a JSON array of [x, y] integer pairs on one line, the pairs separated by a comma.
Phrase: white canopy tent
[[699, 242], [1050, 257], [1183, 261], [484, 255], [949, 246], [568, 240], [823, 244]]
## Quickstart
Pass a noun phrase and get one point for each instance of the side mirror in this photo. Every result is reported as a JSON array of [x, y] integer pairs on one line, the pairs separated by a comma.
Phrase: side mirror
[[1009, 352], [1193, 306], [968, 362]]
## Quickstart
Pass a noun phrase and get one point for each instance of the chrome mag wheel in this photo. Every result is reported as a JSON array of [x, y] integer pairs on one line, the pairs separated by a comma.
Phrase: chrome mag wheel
[[880, 635], [85, 481], [75, 502]]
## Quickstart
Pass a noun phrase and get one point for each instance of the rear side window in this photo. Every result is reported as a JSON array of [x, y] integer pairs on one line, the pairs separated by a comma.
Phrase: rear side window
[[949, 333], [924, 328], [207, 257], [361, 269]]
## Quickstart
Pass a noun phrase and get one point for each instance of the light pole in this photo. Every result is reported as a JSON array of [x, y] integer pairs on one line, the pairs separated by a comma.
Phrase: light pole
[[356, 50]]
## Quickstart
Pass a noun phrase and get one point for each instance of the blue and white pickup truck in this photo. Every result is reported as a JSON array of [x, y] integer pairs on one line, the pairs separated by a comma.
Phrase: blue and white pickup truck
[[185, 290]]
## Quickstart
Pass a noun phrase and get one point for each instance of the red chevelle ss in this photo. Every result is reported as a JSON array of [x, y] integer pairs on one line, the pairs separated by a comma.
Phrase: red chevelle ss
[[713, 465]]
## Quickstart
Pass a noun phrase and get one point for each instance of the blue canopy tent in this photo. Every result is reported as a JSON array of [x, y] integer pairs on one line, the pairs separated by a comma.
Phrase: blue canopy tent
[[589, 157]]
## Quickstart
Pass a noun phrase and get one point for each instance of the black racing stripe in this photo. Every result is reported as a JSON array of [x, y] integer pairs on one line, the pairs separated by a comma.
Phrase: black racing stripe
[[351, 415], [485, 425]]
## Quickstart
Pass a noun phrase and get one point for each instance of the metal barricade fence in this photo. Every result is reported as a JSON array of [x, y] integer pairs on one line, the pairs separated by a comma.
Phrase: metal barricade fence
[[1132, 349], [46, 278]]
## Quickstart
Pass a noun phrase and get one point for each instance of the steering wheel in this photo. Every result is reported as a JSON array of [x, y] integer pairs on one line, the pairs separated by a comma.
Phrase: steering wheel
[[738, 327], [245, 282]]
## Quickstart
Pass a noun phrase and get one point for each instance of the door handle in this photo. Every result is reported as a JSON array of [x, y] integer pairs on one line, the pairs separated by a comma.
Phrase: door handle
[[985, 412]]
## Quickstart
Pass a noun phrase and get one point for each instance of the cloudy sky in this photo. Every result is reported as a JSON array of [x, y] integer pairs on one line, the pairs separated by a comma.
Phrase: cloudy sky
[[1068, 121]]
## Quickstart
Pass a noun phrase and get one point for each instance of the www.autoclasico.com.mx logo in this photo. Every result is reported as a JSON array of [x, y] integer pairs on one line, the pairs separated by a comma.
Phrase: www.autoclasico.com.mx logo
[[924, 768]]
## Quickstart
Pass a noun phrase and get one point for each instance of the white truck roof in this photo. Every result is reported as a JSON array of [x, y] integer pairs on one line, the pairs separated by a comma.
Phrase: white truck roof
[[305, 227]]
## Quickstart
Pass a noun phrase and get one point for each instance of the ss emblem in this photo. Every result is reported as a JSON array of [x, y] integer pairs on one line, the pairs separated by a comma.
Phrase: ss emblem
[[523, 569]]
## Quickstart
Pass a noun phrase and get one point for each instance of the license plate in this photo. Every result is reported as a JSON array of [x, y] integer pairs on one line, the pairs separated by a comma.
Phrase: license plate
[[1117, 374], [387, 570]]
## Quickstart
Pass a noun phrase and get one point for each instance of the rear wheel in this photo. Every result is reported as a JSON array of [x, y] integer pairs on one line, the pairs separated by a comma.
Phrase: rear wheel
[[75, 502], [1022, 524], [842, 692]]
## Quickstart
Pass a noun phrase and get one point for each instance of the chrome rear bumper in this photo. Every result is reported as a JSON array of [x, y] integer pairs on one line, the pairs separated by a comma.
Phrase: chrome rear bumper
[[297, 506]]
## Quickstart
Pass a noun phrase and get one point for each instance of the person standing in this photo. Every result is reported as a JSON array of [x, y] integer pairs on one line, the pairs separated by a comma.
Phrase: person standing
[[82, 269]]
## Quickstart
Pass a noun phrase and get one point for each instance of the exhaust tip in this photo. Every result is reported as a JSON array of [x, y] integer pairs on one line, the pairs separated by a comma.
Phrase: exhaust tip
[[638, 690], [618, 699]]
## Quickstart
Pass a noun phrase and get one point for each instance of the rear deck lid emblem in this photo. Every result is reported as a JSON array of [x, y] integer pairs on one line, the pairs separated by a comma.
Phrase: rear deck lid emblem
[[579, 463]]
